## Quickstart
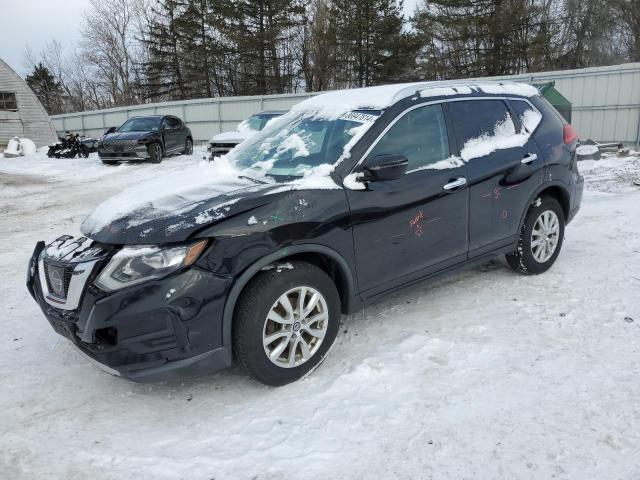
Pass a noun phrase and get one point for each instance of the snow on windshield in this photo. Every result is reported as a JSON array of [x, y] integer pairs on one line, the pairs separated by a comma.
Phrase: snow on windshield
[[298, 143]]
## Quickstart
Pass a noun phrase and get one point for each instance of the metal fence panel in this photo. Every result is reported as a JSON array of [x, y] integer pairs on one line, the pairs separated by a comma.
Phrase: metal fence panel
[[606, 106]]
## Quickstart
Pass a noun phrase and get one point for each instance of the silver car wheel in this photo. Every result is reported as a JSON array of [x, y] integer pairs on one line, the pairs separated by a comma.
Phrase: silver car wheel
[[295, 327], [545, 236]]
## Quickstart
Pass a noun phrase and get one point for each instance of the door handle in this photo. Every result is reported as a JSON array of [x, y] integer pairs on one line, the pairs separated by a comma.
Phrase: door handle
[[529, 158], [453, 184]]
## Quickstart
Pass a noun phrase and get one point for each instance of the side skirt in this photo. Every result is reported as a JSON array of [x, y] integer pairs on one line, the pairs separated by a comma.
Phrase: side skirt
[[460, 267]]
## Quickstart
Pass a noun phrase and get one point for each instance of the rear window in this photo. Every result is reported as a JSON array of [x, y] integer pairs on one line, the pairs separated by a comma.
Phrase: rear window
[[477, 118]]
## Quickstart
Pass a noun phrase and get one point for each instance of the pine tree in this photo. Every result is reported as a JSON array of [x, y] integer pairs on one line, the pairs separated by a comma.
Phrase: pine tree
[[372, 47], [202, 52], [164, 65], [474, 38], [260, 32], [47, 89]]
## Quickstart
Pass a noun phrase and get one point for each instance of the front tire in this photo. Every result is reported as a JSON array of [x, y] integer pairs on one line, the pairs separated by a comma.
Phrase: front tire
[[188, 147], [286, 321], [155, 152], [540, 238]]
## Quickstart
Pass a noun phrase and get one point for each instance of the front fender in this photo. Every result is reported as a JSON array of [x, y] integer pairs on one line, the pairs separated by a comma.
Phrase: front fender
[[249, 273]]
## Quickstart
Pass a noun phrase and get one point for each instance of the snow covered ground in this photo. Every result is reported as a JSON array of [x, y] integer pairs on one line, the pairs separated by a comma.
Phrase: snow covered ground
[[484, 375]]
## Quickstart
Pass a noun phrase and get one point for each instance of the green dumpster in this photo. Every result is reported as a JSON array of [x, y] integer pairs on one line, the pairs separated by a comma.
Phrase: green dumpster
[[555, 98]]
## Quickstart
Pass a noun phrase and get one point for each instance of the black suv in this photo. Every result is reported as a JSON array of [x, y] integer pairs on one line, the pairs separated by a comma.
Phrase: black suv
[[145, 138], [348, 197]]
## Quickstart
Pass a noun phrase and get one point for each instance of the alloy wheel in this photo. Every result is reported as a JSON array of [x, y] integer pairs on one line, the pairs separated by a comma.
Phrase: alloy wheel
[[295, 327], [545, 236]]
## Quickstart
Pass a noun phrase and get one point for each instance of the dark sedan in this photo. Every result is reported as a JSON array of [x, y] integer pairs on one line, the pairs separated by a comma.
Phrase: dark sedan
[[145, 138]]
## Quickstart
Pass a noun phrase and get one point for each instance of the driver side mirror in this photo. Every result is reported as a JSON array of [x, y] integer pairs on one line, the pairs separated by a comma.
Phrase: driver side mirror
[[383, 168], [110, 130]]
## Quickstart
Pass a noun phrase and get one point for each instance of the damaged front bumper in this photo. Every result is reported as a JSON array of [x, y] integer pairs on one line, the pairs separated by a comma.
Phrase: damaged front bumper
[[146, 332]]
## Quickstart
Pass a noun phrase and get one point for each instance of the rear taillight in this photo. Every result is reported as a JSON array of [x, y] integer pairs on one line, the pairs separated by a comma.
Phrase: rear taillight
[[569, 134]]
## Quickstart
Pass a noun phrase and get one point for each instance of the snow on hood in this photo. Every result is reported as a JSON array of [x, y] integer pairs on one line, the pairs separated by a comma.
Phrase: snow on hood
[[173, 207], [166, 197], [234, 136]]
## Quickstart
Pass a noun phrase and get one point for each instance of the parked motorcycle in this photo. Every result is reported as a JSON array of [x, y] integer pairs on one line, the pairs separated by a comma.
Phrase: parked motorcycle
[[72, 145]]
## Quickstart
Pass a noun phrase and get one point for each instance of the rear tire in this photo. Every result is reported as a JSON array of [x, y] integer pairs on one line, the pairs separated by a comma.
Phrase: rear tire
[[540, 238], [155, 152], [281, 351]]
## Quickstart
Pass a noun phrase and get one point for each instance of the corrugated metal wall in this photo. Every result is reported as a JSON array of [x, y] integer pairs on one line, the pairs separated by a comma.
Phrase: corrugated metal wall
[[606, 106], [30, 120]]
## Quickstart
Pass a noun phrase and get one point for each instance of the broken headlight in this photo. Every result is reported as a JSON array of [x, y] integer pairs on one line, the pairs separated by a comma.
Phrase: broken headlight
[[133, 265]]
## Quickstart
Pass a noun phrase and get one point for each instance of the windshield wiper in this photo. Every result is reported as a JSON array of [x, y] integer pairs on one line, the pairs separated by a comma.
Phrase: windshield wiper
[[255, 180]]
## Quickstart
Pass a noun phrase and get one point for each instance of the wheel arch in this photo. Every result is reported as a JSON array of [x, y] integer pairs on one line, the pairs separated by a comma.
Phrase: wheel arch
[[555, 190], [327, 259]]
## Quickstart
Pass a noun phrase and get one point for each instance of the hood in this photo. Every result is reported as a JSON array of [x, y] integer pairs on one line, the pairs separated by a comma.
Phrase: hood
[[153, 225], [115, 136], [173, 207], [232, 137]]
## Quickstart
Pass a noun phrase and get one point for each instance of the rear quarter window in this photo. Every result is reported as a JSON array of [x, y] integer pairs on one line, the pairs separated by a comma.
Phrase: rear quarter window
[[549, 132]]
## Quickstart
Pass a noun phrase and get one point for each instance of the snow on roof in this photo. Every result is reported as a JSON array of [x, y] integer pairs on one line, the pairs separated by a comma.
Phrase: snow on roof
[[333, 104]]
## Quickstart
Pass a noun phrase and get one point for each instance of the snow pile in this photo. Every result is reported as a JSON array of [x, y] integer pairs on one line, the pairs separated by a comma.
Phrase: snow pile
[[504, 137], [612, 174], [587, 150], [18, 147]]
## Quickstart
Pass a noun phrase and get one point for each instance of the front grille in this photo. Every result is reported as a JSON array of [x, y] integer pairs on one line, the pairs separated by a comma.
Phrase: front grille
[[119, 145], [55, 274]]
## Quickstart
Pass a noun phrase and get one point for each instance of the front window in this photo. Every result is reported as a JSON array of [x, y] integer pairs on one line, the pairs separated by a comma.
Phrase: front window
[[141, 125], [298, 142], [420, 136]]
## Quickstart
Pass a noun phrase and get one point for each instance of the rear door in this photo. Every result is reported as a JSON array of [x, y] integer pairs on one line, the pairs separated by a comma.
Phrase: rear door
[[407, 228], [504, 168], [172, 130]]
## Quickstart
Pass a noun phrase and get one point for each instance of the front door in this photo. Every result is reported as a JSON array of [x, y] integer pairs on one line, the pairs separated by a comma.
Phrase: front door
[[504, 168], [406, 228]]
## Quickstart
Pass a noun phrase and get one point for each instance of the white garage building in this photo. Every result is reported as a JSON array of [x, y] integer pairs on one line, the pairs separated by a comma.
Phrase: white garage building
[[21, 113]]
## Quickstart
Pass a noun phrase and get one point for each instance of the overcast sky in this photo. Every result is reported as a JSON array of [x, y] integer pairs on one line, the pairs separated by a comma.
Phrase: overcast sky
[[35, 22]]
